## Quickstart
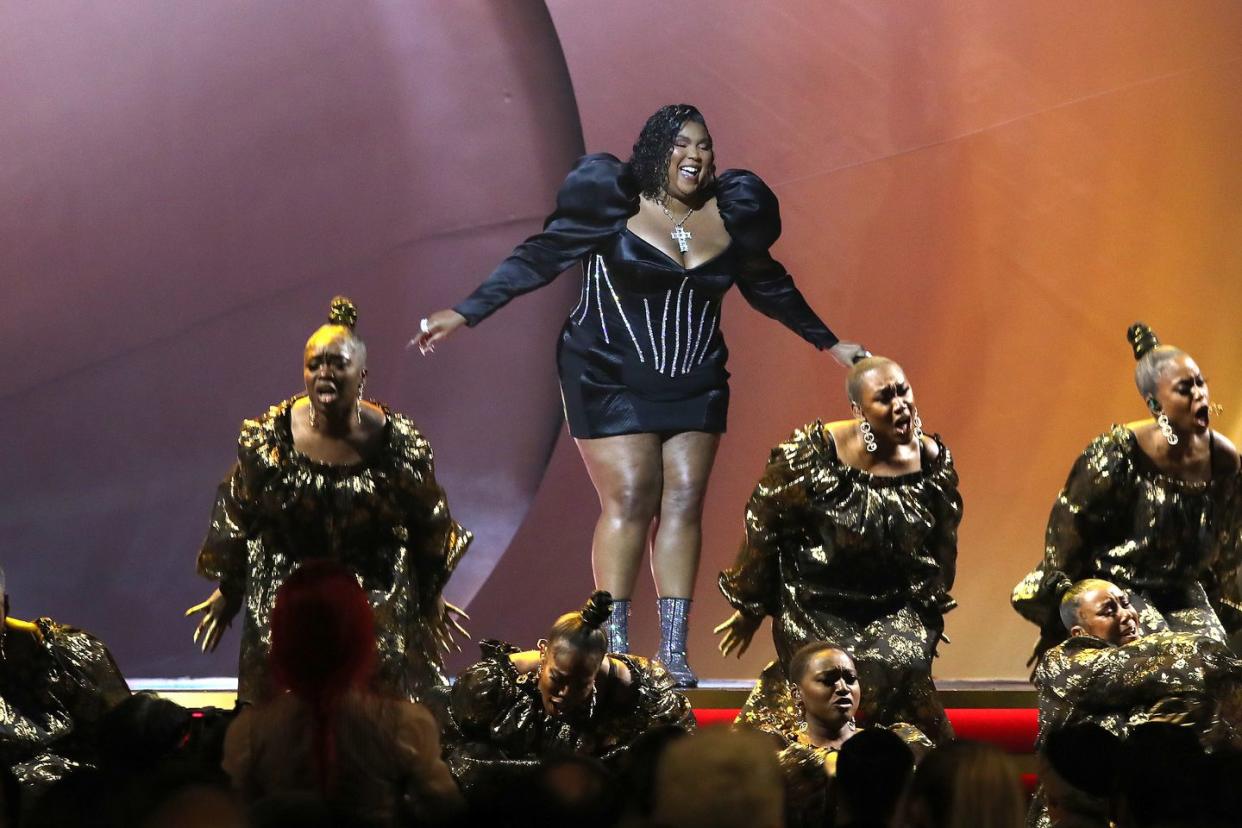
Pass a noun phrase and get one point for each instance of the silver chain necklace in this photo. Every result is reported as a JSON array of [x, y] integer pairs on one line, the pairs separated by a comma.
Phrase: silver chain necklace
[[680, 234]]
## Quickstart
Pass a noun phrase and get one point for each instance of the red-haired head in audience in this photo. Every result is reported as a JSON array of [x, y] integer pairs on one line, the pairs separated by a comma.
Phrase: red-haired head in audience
[[323, 646]]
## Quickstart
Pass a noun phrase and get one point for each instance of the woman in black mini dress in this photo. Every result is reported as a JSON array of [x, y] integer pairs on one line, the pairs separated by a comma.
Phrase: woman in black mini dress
[[660, 239]]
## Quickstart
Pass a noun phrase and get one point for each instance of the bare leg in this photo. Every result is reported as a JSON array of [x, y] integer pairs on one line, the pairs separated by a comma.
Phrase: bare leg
[[687, 459], [626, 471]]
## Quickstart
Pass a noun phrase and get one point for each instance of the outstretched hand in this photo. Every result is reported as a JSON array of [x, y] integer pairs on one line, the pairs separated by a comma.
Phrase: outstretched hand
[[847, 353], [218, 612], [737, 631], [434, 328], [445, 622]]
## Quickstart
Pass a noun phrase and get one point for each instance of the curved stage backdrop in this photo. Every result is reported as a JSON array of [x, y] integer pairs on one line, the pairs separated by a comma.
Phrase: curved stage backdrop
[[987, 192]]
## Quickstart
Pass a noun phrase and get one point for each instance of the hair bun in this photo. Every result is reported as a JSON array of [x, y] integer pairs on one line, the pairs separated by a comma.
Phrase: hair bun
[[597, 609], [343, 312], [1142, 339], [1057, 583]]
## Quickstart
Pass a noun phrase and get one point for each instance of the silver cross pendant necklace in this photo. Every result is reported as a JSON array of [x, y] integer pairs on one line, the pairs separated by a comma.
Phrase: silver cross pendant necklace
[[679, 234]]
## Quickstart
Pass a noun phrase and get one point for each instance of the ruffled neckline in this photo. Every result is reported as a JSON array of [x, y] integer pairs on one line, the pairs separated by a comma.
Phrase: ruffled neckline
[[824, 444], [280, 429], [1144, 465]]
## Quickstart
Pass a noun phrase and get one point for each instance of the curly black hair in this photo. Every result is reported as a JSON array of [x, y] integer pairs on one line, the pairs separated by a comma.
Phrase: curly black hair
[[649, 162]]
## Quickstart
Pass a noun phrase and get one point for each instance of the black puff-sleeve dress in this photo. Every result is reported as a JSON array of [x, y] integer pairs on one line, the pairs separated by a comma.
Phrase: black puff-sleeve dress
[[642, 349]]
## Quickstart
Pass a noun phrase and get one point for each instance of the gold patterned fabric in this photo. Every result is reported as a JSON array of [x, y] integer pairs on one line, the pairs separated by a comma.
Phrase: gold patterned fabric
[[836, 554], [498, 729], [1164, 676], [1177, 677], [1170, 542], [54, 689], [808, 770], [386, 518]]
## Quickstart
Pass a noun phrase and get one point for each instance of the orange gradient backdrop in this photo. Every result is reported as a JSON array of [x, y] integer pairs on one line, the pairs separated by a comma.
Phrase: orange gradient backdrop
[[987, 192]]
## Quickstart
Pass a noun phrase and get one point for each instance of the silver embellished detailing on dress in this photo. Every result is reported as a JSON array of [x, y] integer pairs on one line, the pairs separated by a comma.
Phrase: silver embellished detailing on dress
[[689, 345], [601, 268], [584, 303], [599, 300], [664, 333], [677, 328]]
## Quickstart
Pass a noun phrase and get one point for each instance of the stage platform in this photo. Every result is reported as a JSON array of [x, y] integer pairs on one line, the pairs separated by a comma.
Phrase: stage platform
[[1002, 712], [714, 694]]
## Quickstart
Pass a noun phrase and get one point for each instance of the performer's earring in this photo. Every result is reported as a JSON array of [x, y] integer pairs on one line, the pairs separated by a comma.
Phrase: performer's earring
[[1217, 409], [1166, 428], [918, 427], [799, 708], [1162, 422], [358, 401], [867, 436], [311, 413]]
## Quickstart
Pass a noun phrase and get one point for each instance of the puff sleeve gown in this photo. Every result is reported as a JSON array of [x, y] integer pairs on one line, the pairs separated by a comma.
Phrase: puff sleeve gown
[[55, 687], [836, 554], [386, 518], [1165, 540], [642, 349], [498, 730]]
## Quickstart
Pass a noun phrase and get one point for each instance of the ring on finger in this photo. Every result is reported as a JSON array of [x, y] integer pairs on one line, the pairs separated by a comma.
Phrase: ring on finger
[[424, 326]]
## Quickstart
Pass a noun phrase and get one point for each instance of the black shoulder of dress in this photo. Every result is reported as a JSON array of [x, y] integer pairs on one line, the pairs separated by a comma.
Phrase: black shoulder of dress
[[599, 190], [750, 210]]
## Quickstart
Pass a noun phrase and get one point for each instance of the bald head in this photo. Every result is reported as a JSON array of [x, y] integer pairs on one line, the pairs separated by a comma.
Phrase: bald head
[[858, 371], [1099, 608]]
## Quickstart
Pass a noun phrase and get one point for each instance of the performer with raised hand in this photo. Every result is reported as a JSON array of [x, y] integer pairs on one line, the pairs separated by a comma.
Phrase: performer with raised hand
[[1148, 506], [328, 474], [660, 240], [851, 536]]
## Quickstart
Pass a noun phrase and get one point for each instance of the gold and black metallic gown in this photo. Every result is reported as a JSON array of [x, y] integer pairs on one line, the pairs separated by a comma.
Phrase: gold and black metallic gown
[[385, 518], [498, 731], [1177, 677], [836, 554], [1170, 543], [54, 689], [808, 770]]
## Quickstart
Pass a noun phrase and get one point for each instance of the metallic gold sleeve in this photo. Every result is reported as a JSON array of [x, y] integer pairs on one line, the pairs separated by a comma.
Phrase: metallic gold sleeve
[[1087, 680], [775, 520], [54, 689]]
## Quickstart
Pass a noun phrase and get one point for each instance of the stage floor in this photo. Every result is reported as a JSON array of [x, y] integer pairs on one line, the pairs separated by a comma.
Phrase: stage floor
[[711, 693]]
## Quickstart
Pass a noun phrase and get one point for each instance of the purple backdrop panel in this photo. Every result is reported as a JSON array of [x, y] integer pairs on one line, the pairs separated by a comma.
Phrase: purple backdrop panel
[[185, 188]]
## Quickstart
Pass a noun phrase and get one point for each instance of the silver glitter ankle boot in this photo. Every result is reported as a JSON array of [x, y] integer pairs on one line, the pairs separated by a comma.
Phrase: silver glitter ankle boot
[[617, 627], [674, 622]]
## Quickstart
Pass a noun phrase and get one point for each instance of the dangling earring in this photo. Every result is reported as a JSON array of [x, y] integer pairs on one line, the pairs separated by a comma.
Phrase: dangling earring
[[868, 437], [1166, 428], [358, 402], [918, 427], [312, 415]]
